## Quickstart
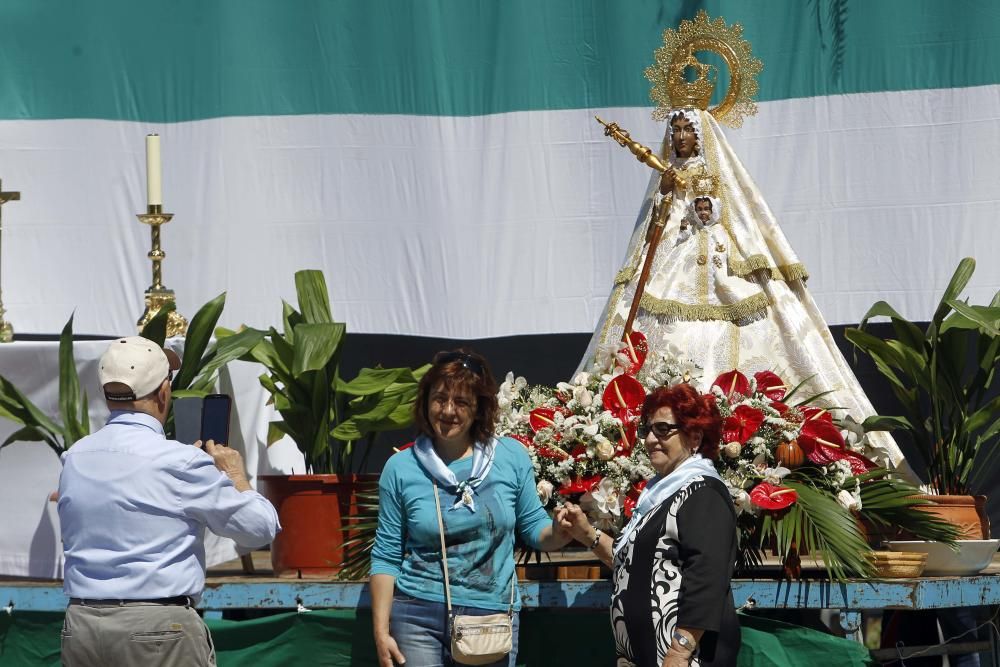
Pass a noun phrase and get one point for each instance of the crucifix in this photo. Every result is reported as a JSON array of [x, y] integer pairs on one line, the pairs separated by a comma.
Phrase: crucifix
[[6, 330]]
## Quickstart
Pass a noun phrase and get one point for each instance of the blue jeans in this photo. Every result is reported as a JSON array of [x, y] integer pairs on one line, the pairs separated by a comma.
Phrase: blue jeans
[[422, 631]]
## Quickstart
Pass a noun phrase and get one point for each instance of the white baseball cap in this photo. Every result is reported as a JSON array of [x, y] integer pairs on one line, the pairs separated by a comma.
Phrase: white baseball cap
[[139, 364]]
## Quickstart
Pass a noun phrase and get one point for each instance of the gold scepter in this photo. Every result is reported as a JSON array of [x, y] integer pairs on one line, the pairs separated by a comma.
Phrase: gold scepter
[[660, 213]]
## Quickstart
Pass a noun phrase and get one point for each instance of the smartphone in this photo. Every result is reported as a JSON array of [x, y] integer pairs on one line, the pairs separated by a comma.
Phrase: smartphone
[[215, 411]]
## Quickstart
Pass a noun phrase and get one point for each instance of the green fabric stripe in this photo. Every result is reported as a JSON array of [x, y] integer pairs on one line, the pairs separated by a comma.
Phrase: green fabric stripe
[[184, 60]]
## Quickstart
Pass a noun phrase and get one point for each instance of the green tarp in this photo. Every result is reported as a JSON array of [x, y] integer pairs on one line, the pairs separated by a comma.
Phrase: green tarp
[[548, 637]]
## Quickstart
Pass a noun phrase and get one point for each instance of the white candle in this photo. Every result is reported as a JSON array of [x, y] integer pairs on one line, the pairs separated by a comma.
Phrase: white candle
[[154, 177]]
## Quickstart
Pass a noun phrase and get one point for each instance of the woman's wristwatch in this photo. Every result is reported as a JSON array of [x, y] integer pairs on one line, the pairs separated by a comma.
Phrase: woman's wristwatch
[[683, 641], [597, 539]]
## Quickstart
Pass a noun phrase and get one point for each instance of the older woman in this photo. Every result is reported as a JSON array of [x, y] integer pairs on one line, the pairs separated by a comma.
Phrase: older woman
[[672, 604], [487, 488]]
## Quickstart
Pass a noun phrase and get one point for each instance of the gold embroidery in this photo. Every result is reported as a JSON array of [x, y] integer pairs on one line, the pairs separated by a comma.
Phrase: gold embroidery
[[720, 248], [701, 260], [747, 309]]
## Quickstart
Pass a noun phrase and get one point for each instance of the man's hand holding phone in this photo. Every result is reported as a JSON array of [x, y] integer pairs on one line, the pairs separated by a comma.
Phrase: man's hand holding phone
[[229, 461]]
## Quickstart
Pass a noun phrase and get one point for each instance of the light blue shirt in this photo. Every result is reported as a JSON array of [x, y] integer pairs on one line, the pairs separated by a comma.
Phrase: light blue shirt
[[480, 544], [133, 507]]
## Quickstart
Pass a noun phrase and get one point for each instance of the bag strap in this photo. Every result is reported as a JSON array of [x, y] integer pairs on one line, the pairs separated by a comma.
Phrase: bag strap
[[444, 558], [444, 552]]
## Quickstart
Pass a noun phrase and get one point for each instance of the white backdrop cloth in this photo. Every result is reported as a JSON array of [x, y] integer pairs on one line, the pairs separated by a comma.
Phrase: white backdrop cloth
[[29, 471]]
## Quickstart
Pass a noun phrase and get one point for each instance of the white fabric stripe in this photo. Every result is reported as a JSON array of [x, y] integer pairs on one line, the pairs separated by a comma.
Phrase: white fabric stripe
[[484, 226]]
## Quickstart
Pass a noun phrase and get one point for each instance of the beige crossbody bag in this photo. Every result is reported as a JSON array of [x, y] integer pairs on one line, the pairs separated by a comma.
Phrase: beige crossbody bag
[[476, 640]]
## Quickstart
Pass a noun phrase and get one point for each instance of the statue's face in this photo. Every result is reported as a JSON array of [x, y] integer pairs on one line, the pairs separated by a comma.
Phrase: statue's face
[[683, 136], [703, 207]]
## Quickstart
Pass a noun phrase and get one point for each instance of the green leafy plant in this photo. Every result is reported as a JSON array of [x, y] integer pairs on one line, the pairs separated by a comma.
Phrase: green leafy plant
[[326, 416], [36, 426], [942, 377]]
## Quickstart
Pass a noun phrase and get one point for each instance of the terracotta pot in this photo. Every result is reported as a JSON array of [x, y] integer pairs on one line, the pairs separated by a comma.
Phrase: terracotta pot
[[312, 510], [966, 512]]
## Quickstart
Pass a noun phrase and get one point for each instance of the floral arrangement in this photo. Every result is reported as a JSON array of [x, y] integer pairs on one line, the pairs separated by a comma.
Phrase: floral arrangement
[[801, 480]]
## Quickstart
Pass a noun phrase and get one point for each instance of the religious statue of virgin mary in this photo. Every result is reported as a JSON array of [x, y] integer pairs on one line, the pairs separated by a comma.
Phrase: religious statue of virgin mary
[[725, 289]]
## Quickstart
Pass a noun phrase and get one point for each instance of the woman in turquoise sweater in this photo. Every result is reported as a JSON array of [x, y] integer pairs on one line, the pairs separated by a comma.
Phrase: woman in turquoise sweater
[[487, 488]]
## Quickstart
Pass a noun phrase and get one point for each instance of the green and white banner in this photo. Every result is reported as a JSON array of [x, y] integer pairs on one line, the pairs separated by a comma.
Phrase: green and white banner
[[440, 162]]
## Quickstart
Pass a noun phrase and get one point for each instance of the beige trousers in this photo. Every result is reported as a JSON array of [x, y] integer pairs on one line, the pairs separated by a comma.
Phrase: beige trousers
[[138, 634]]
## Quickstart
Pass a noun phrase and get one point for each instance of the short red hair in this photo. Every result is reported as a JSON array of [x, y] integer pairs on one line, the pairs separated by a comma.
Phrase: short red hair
[[693, 413]]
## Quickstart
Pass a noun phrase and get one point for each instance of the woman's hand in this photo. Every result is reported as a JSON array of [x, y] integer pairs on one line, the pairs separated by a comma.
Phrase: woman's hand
[[575, 521], [388, 652], [674, 659]]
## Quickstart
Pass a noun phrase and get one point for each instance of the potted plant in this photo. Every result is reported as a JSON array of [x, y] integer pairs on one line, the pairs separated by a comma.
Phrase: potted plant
[[942, 377], [330, 419]]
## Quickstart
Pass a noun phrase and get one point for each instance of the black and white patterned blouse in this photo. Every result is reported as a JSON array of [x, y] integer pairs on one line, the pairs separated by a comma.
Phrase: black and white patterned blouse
[[674, 570]]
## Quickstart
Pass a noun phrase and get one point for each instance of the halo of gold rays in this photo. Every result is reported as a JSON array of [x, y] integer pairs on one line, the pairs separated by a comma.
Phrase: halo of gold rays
[[702, 34]]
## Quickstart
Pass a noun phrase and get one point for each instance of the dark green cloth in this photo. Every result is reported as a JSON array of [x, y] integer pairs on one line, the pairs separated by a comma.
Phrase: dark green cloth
[[344, 638]]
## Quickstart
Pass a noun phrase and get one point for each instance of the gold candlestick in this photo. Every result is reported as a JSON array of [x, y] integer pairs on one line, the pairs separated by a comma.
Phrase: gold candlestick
[[157, 295], [6, 330]]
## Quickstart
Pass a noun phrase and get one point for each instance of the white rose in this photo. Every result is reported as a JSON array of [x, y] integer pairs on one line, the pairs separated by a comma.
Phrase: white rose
[[544, 489], [604, 449], [731, 450]]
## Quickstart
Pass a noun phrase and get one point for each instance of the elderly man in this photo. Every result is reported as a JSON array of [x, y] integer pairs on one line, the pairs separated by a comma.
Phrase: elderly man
[[134, 507]]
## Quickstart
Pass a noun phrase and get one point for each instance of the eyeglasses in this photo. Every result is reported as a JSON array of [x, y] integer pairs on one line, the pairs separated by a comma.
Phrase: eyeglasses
[[660, 429], [464, 359]]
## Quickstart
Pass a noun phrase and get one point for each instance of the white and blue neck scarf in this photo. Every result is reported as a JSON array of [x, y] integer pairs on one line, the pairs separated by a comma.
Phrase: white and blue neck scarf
[[482, 461], [660, 488]]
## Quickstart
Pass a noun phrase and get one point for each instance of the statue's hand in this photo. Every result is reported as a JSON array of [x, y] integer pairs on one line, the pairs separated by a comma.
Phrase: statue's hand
[[667, 182]]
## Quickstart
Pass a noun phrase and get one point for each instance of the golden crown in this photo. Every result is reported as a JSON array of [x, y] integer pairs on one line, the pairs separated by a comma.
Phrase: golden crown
[[671, 89], [697, 93], [704, 184]]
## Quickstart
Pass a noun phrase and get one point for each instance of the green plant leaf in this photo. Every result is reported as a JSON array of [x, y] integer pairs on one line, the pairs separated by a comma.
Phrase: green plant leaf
[[373, 380], [228, 349], [907, 332], [26, 434], [72, 401], [315, 346], [156, 328], [958, 281], [197, 339], [314, 301], [985, 318], [886, 423]]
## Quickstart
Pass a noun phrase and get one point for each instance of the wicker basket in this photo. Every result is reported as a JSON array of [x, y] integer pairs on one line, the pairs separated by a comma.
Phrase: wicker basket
[[898, 564]]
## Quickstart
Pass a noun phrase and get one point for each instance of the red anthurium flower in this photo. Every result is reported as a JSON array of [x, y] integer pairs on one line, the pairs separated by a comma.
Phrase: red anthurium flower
[[636, 349], [732, 382], [623, 397], [780, 407], [821, 441], [579, 451], [742, 424], [812, 414], [771, 497], [580, 485], [540, 418], [859, 464], [770, 385], [625, 444], [523, 439], [632, 497], [549, 453]]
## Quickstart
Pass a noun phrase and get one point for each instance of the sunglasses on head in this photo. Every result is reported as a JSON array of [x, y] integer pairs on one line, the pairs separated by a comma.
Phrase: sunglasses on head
[[659, 429], [464, 359]]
